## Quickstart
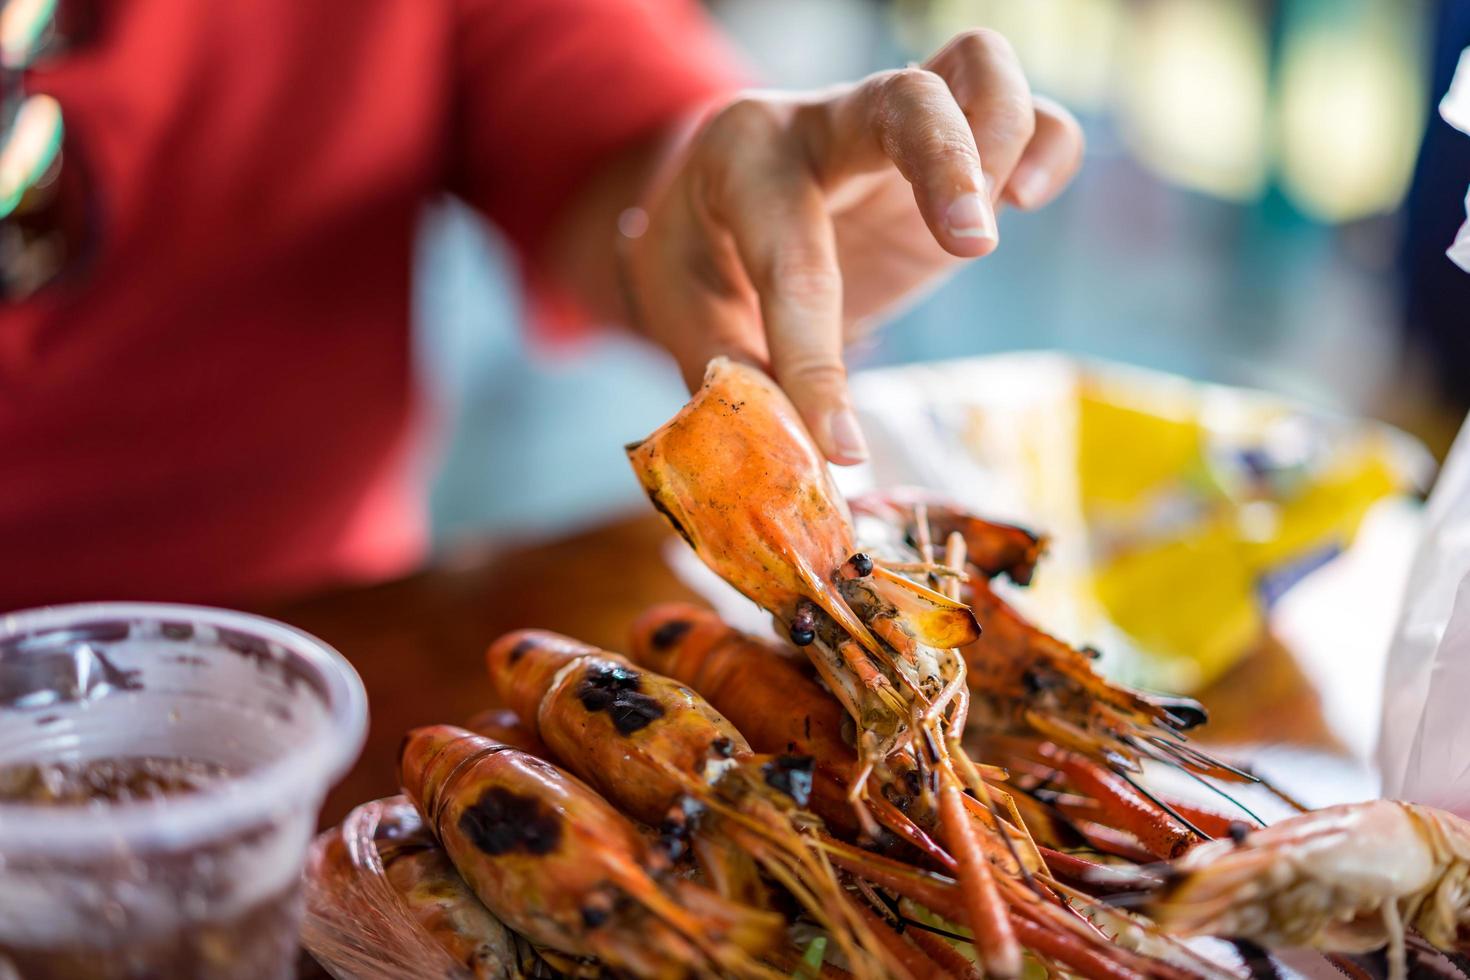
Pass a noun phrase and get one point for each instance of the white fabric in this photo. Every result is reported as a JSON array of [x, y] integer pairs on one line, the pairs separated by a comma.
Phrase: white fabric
[[1424, 749], [1424, 745], [1455, 108]]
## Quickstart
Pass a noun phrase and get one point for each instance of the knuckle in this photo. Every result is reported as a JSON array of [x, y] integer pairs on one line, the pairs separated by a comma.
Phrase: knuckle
[[815, 373], [983, 44], [907, 85], [943, 148], [805, 279], [1066, 123], [745, 118], [1010, 118]]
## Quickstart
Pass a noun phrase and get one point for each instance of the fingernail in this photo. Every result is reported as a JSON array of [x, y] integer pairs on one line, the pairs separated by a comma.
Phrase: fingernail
[[847, 437], [1029, 186], [969, 216]]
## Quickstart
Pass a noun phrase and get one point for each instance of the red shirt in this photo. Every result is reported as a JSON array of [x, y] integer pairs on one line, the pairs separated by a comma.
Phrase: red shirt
[[223, 406]]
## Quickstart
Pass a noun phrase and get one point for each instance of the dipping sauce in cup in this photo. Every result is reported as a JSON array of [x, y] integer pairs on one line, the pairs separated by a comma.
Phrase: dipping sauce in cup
[[161, 769]]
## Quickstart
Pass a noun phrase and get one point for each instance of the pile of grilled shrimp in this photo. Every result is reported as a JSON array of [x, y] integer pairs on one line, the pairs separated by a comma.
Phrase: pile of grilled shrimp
[[915, 782]]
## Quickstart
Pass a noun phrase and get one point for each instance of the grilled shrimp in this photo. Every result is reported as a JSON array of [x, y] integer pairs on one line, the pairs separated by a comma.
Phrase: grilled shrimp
[[504, 725], [781, 708], [1345, 879], [1024, 681], [765, 692], [740, 479], [380, 892], [990, 547], [561, 866], [662, 754], [436, 896], [1040, 708]]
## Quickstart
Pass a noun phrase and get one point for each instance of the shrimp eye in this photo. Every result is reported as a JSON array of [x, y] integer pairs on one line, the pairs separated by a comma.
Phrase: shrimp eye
[[803, 628], [862, 564]]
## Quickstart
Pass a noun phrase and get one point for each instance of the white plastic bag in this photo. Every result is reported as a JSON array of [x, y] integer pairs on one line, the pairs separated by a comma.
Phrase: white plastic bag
[[1424, 749], [1424, 745]]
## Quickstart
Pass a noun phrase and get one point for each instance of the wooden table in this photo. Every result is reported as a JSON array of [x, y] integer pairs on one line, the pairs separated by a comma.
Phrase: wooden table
[[419, 642]]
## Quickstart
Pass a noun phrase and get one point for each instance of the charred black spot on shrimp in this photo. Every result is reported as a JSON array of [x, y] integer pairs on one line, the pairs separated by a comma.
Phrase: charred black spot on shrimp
[[670, 633], [792, 775], [501, 822], [616, 690], [525, 646]]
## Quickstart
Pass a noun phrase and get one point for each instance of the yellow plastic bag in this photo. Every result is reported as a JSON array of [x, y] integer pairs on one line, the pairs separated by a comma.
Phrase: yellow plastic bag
[[1180, 512], [1202, 506]]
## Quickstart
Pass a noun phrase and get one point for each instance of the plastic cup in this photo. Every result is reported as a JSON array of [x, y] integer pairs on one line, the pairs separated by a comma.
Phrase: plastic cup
[[196, 885]]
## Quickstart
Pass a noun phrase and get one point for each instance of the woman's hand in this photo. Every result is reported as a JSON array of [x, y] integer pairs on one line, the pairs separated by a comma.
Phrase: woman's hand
[[789, 221]]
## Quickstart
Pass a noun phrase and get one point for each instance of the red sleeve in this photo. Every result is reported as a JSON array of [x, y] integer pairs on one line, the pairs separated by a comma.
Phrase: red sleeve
[[549, 89]]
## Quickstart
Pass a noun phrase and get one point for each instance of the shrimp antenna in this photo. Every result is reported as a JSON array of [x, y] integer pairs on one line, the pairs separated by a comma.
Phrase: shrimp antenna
[[1277, 791], [1156, 801], [1170, 761], [1189, 756]]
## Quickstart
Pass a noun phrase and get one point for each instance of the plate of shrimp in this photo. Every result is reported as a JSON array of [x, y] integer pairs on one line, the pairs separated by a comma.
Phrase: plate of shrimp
[[904, 778]]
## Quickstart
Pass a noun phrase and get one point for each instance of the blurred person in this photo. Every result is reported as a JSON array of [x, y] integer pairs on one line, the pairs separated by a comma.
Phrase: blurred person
[[218, 404], [1436, 292]]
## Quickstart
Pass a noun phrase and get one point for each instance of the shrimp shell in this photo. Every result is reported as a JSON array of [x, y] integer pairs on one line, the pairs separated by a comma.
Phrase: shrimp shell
[[1347, 879], [559, 865], [383, 902], [665, 756]]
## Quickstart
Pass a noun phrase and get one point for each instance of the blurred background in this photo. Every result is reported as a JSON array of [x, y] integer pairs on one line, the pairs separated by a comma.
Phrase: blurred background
[[1241, 218]]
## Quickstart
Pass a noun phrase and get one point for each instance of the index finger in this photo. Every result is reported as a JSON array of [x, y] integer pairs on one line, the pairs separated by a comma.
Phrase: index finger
[[761, 192], [981, 70], [909, 119]]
